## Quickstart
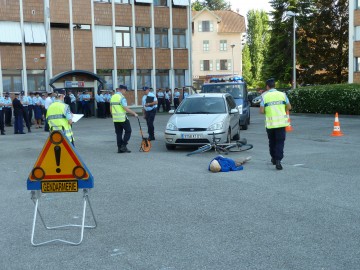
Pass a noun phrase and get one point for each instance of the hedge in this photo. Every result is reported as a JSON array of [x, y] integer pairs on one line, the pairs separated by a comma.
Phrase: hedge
[[326, 99]]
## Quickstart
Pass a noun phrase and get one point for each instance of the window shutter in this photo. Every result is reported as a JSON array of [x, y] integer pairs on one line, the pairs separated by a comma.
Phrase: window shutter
[[210, 65], [217, 64], [200, 26], [201, 65], [229, 64], [211, 26]]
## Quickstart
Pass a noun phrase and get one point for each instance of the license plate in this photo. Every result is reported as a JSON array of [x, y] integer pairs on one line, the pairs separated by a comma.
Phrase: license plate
[[191, 136], [59, 186]]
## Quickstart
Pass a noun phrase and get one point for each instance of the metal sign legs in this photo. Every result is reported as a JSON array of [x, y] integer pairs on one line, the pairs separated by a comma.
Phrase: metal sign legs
[[35, 196]]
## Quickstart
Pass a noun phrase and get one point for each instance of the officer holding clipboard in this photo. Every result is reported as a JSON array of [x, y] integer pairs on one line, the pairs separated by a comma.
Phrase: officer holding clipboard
[[149, 104]]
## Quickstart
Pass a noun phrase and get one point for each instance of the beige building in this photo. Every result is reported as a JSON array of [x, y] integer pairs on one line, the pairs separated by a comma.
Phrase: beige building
[[354, 41], [217, 44]]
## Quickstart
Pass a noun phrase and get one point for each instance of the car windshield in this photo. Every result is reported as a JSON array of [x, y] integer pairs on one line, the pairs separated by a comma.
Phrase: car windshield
[[202, 105], [236, 90]]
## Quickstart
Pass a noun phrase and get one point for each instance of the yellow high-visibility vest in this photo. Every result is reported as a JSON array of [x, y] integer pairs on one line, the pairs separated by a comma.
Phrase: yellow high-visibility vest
[[275, 110], [118, 112]]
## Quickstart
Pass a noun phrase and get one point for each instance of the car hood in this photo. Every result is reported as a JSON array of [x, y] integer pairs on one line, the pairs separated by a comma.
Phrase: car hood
[[196, 120]]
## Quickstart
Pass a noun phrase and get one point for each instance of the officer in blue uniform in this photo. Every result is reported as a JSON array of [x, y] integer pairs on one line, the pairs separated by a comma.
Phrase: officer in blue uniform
[[8, 109], [2, 105], [161, 99], [30, 107], [25, 102], [176, 98], [18, 113], [149, 103], [85, 104]]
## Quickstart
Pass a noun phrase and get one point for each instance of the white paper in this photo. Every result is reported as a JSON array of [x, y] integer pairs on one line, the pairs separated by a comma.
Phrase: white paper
[[76, 117]]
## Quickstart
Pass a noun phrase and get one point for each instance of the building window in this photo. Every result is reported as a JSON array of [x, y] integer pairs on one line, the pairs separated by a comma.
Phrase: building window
[[36, 80], [81, 26], [179, 77], [223, 45], [124, 77], [115, 1], [122, 36], [106, 74], [179, 36], [143, 78], [206, 26], [12, 81], [205, 65], [206, 45], [161, 38], [143, 37], [223, 64], [162, 78], [357, 64], [160, 3]]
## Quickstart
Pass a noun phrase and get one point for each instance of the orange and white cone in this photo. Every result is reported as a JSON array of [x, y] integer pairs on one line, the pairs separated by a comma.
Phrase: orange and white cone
[[289, 127], [337, 132]]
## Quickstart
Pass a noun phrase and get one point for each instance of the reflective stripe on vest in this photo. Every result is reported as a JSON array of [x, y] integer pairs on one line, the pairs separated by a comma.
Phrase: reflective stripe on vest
[[118, 112], [57, 120], [275, 110]]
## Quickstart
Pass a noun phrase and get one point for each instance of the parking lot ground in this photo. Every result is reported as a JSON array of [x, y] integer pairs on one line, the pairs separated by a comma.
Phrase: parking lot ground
[[163, 210]]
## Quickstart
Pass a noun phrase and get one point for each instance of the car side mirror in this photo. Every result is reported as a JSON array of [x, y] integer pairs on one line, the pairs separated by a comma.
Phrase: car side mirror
[[233, 111]]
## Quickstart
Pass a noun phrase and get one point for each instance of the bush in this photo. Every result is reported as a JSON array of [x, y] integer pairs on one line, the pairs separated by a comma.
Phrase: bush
[[326, 99]]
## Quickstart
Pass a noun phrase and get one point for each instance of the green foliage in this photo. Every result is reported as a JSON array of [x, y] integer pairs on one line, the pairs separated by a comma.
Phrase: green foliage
[[211, 5], [326, 99], [246, 66]]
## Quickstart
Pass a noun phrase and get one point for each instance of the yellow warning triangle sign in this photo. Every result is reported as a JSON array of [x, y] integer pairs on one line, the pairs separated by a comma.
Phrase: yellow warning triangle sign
[[59, 160]]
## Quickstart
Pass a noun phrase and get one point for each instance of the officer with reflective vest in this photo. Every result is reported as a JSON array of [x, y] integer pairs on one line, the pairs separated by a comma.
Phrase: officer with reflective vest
[[118, 109], [274, 105], [59, 115]]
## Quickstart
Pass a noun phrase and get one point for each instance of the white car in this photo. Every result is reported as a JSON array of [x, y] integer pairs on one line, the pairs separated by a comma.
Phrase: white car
[[202, 117]]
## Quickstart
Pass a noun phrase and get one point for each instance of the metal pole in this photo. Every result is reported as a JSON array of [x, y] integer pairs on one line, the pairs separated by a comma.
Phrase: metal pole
[[232, 58], [294, 54]]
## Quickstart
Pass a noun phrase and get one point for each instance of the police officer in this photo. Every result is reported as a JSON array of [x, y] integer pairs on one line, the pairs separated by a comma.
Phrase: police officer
[[85, 104], [176, 98], [18, 113], [31, 107], [107, 98], [59, 115], [2, 105], [72, 102], [274, 105], [25, 102], [167, 99], [118, 108], [149, 103], [101, 105], [161, 99], [8, 109]]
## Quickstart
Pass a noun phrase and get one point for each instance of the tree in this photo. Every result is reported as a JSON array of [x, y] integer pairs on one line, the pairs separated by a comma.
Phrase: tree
[[257, 40], [211, 5], [246, 66]]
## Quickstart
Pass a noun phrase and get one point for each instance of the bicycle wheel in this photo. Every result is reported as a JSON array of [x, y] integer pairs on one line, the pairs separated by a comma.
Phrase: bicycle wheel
[[201, 149], [238, 147]]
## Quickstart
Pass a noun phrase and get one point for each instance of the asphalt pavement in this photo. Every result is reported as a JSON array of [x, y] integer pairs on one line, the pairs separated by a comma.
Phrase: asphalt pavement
[[163, 210]]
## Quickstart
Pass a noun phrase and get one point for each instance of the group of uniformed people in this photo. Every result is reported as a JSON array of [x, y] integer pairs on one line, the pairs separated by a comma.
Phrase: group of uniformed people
[[165, 98], [102, 99]]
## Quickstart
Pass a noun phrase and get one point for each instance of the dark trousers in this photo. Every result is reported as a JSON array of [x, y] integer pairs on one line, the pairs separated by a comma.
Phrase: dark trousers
[[277, 138], [107, 109], [101, 109], [73, 107], [26, 116], [2, 126], [167, 103], [30, 113], [150, 117], [86, 109], [176, 103], [161, 102], [79, 107], [120, 127], [18, 123], [8, 116], [46, 124]]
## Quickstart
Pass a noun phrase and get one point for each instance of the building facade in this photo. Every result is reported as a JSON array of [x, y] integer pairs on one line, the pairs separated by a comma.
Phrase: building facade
[[132, 42], [354, 41], [218, 38]]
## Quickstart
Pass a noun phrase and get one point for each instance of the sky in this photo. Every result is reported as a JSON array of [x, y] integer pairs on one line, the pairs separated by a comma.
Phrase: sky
[[245, 5]]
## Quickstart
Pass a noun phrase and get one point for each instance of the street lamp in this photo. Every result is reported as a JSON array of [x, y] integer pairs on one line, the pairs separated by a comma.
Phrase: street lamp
[[232, 58], [293, 14]]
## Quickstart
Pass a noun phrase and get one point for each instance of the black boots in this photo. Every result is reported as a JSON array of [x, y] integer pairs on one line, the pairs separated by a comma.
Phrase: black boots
[[278, 165], [123, 149]]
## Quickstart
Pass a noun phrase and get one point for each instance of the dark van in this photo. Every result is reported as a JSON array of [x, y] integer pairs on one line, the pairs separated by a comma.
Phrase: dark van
[[237, 88]]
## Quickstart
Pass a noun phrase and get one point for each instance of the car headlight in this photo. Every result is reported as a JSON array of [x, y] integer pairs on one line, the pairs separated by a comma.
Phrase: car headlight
[[216, 126], [240, 107], [171, 126]]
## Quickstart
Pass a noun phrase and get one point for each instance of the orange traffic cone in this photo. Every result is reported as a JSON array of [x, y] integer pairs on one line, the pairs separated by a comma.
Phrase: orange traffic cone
[[337, 132], [289, 127]]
